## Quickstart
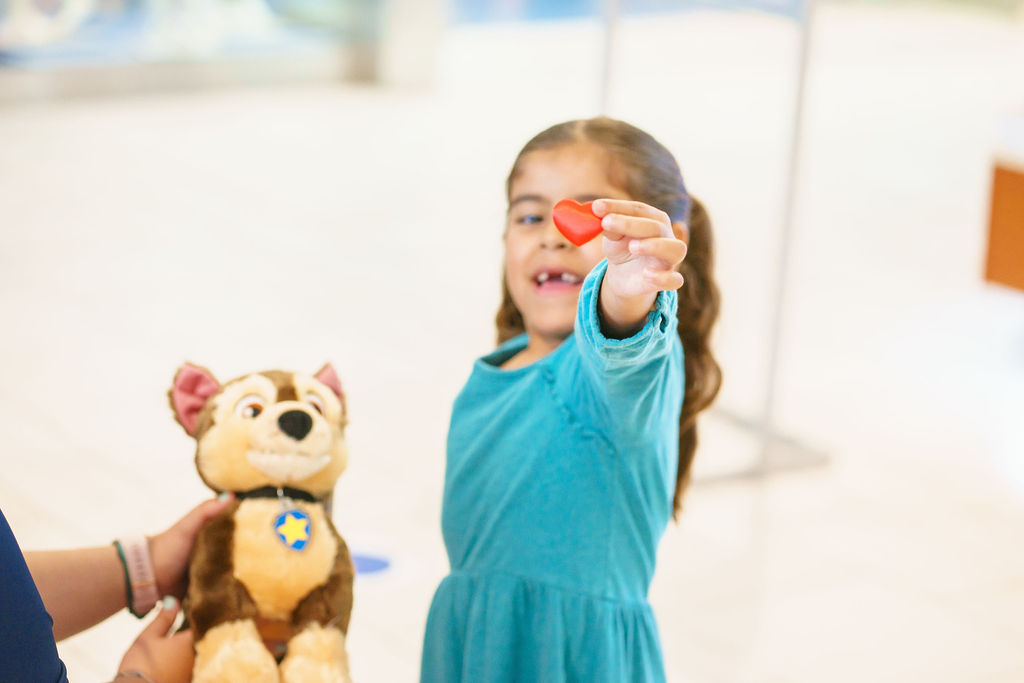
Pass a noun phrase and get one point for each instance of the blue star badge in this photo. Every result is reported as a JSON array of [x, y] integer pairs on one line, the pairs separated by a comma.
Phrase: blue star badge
[[293, 528]]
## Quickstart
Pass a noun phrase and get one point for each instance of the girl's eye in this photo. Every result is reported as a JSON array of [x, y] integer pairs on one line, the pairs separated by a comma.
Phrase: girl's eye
[[250, 406], [530, 219], [315, 401]]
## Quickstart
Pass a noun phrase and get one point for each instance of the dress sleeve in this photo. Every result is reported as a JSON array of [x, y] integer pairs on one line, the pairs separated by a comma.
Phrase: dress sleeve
[[616, 358], [27, 648], [631, 382]]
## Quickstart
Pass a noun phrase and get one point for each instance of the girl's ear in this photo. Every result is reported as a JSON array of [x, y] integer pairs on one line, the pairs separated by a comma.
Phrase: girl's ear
[[681, 232]]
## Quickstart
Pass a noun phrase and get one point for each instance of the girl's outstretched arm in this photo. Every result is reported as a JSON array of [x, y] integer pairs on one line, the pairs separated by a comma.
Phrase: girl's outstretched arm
[[643, 248]]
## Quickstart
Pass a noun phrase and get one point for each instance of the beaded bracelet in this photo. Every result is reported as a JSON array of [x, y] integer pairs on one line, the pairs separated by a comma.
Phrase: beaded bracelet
[[132, 673]]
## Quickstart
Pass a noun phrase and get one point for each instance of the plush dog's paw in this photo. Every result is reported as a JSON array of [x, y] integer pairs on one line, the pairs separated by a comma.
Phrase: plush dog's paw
[[316, 655], [234, 653]]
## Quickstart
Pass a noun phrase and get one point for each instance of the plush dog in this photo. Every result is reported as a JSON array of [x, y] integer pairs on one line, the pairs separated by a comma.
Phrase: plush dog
[[271, 573]]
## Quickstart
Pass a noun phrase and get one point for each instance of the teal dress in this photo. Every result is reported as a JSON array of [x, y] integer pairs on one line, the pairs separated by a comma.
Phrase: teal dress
[[558, 487]]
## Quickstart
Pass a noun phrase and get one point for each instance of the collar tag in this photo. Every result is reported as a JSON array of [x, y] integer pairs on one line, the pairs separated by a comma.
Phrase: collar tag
[[293, 528]]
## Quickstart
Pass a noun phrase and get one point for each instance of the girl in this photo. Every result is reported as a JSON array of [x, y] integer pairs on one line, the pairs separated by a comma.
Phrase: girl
[[570, 445]]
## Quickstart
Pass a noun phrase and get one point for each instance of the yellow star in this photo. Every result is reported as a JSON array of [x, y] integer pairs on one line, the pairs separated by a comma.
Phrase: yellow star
[[294, 529]]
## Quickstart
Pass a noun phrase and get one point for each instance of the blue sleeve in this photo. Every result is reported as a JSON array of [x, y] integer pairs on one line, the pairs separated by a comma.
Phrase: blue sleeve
[[633, 386], [28, 651]]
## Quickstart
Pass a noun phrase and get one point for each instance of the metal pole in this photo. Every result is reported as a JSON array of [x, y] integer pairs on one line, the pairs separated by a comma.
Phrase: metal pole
[[779, 452], [611, 20], [785, 239]]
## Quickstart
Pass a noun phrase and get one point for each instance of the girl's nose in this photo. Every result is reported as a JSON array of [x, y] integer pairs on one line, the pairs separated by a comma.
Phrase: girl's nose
[[552, 238]]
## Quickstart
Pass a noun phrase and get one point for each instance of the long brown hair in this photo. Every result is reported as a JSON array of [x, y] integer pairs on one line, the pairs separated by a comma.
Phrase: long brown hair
[[648, 172]]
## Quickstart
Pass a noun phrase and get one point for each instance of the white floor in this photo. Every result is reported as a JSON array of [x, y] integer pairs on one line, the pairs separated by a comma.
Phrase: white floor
[[284, 227]]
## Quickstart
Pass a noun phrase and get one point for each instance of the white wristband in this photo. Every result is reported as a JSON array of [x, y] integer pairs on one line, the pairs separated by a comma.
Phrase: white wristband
[[139, 568]]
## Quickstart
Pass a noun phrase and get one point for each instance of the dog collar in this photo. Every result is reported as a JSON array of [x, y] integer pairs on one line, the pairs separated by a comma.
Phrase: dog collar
[[277, 492]]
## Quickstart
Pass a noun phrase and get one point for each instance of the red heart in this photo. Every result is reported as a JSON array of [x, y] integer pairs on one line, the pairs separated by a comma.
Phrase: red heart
[[576, 221]]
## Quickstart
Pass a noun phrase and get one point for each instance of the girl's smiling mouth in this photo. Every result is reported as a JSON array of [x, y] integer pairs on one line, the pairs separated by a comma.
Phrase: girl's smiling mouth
[[556, 280]]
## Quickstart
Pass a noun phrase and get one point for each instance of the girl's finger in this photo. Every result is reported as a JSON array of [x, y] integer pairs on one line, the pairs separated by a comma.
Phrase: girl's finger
[[664, 280], [190, 524], [669, 250], [164, 619], [628, 207], [632, 226]]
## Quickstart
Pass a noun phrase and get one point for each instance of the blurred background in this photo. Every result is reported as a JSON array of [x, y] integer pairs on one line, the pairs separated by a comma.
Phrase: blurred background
[[247, 184]]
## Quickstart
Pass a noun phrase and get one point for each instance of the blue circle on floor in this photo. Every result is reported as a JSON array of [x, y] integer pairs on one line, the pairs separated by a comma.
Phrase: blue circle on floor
[[369, 564]]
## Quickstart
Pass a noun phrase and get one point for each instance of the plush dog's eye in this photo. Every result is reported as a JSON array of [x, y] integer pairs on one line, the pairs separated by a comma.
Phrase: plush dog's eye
[[250, 406], [315, 401]]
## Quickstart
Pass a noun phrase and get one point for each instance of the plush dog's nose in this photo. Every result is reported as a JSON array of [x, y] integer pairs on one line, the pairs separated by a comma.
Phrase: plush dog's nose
[[295, 423]]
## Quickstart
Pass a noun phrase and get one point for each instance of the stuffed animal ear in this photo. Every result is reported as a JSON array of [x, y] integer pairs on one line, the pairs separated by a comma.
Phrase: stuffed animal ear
[[193, 386], [327, 376]]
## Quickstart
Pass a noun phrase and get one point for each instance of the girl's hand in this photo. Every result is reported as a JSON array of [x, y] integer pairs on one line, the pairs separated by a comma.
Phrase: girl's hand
[[642, 248], [157, 654], [170, 550]]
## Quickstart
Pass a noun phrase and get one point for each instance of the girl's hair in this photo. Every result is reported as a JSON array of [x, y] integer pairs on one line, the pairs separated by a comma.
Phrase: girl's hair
[[648, 172]]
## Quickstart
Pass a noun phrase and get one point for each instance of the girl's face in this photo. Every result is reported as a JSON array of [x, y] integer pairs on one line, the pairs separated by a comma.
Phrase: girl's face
[[543, 270]]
